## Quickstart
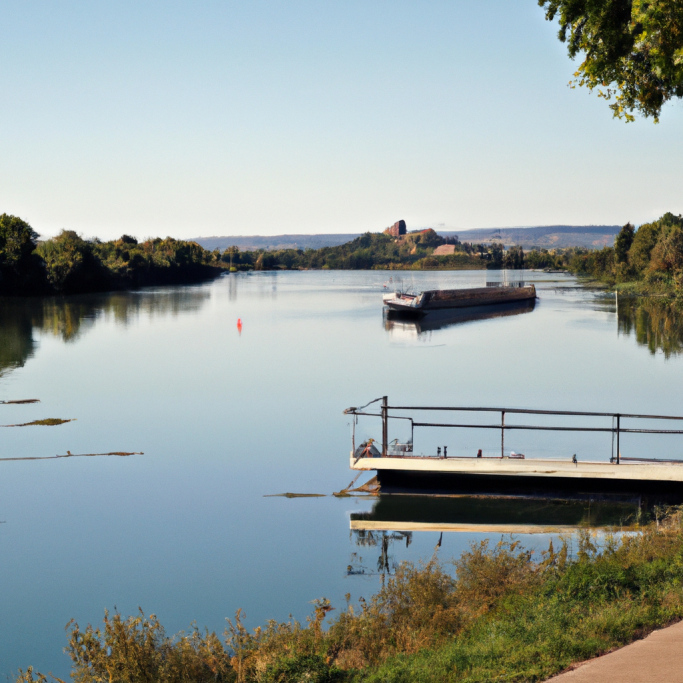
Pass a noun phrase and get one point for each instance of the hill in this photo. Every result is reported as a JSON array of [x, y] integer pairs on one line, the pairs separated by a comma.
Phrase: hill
[[550, 236], [275, 242]]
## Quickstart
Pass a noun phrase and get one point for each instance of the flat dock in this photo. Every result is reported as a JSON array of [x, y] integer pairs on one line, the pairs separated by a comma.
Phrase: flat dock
[[429, 474], [400, 470]]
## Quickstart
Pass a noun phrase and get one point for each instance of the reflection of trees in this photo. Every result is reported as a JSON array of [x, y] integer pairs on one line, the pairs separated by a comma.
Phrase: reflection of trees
[[69, 317], [381, 540], [656, 324], [16, 337]]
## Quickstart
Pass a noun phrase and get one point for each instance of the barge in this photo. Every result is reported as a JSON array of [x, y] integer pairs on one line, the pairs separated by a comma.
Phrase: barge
[[440, 299]]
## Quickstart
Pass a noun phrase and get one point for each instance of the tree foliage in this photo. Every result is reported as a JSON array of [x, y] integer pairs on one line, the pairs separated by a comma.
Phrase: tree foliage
[[20, 270], [379, 251], [632, 50], [653, 255], [68, 263]]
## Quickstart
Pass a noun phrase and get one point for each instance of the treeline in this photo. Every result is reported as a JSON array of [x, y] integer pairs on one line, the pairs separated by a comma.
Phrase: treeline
[[371, 250], [380, 251], [497, 613], [651, 256], [69, 264]]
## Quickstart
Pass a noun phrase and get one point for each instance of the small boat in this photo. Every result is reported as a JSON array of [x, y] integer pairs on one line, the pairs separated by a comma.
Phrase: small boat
[[435, 299]]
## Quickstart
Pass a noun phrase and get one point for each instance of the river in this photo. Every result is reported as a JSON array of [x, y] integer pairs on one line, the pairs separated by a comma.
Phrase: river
[[226, 417]]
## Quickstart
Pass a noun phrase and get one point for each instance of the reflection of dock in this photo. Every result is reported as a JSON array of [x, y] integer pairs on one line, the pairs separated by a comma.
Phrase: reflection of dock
[[493, 514], [438, 319]]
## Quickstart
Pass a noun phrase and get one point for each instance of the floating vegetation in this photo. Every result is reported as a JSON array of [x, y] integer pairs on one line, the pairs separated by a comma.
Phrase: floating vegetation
[[48, 422], [370, 487], [295, 495], [69, 454], [23, 400]]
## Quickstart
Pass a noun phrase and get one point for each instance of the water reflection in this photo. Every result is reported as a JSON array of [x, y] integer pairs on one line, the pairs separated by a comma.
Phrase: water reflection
[[395, 321], [16, 337], [70, 317], [405, 513], [382, 540], [654, 323]]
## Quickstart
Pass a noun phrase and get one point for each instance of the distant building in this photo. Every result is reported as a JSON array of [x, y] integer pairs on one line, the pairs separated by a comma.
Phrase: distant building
[[397, 229]]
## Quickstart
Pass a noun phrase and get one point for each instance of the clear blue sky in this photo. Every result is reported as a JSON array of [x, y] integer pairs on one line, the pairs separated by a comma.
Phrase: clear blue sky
[[216, 118]]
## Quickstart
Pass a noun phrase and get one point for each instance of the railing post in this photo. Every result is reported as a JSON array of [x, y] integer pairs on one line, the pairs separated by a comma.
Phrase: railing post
[[385, 436], [502, 434], [618, 425]]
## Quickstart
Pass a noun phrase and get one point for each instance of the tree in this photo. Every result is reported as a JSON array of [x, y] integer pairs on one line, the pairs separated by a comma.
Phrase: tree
[[623, 242], [632, 50], [71, 264], [644, 242], [496, 255], [20, 269]]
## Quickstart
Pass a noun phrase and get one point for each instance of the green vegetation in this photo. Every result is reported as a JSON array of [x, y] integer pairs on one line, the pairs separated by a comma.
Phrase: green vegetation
[[497, 613], [371, 250], [631, 50], [383, 252], [68, 264], [644, 261]]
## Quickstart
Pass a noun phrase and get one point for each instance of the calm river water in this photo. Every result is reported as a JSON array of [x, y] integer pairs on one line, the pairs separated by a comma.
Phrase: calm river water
[[226, 418]]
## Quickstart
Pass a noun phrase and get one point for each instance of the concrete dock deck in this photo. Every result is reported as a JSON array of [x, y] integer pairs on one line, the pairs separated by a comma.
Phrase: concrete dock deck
[[512, 467], [432, 474]]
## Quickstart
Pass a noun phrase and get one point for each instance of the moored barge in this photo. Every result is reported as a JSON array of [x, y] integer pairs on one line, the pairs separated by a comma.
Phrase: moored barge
[[439, 299]]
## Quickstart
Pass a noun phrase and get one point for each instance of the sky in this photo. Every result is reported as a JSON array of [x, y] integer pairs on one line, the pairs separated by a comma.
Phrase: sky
[[224, 118]]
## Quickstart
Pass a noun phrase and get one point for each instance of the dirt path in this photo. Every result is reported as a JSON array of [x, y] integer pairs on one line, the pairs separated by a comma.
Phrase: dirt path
[[655, 659]]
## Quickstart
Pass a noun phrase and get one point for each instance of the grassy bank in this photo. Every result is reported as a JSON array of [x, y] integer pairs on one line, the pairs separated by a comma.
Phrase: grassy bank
[[497, 613]]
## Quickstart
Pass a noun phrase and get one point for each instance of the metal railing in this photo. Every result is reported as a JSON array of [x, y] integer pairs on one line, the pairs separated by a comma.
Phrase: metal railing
[[616, 429]]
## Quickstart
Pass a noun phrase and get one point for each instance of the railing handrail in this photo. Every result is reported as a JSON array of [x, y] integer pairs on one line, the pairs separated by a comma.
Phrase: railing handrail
[[531, 411], [615, 429]]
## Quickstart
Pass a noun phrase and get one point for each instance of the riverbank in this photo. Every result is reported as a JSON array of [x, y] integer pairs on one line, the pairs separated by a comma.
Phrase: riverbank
[[498, 612]]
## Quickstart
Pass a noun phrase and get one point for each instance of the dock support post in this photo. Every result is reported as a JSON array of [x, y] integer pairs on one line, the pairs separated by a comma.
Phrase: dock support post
[[502, 434], [618, 425], [385, 435]]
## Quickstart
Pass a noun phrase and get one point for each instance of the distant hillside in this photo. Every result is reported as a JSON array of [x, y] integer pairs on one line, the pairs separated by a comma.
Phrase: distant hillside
[[548, 236], [273, 242]]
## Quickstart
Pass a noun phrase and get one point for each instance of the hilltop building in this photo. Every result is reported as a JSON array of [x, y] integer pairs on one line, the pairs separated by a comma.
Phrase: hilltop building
[[397, 229]]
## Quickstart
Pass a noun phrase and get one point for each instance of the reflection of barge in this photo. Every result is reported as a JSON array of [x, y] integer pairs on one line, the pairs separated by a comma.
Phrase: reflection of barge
[[438, 319], [438, 299]]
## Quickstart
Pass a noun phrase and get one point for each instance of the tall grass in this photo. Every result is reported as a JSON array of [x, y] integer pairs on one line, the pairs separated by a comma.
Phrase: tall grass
[[497, 613]]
